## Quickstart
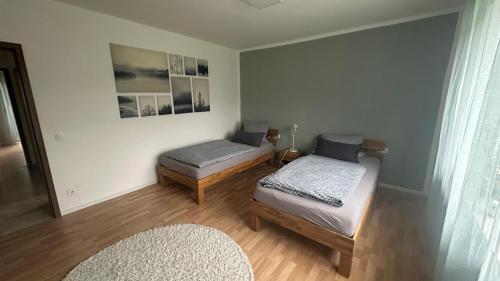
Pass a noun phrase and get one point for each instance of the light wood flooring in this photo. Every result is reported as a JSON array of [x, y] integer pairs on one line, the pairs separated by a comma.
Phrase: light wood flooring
[[23, 195], [390, 246]]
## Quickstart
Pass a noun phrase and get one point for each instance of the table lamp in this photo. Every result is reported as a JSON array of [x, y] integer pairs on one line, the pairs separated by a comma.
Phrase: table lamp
[[295, 128]]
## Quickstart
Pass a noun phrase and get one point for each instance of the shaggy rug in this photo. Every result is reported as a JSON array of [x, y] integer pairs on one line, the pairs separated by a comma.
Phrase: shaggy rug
[[176, 252]]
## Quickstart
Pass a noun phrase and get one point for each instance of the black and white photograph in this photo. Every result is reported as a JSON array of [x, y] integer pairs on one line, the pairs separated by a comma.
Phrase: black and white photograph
[[190, 66], [128, 106], [176, 65], [139, 70], [164, 104], [202, 67], [201, 95], [181, 89], [147, 105]]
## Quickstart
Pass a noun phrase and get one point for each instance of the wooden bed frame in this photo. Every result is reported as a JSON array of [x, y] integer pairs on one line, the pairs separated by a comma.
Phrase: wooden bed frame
[[336, 241], [200, 185]]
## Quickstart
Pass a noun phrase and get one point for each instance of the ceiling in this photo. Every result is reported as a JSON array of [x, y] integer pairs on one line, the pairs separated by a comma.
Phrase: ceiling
[[236, 24]]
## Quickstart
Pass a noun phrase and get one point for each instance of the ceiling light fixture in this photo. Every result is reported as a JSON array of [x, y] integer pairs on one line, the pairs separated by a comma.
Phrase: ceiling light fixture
[[261, 4]]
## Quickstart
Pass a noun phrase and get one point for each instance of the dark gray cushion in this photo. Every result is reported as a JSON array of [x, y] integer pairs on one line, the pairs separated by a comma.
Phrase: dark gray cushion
[[337, 150], [347, 139], [256, 127], [253, 139]]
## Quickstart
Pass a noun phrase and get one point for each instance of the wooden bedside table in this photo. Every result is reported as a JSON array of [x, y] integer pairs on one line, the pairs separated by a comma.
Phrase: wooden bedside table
[[286, 156]]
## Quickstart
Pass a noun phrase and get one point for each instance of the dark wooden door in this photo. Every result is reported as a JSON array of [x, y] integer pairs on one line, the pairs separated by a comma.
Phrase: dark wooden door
[[9, 68], [13, 66]]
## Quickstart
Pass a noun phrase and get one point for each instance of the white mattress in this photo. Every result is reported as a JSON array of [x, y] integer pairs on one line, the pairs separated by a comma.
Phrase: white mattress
[[205, 171], [344, 220]]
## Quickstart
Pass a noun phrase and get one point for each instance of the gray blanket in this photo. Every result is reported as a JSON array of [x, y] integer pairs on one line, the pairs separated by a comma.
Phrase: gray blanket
[[316, 177], [207, 153]]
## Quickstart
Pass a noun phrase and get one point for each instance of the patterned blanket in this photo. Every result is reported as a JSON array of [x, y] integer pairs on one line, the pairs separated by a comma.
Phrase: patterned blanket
[[207, 153], [328, 180]]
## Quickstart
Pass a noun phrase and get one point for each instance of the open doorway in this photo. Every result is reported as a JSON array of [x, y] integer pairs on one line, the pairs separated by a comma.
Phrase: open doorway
[[27, 195]]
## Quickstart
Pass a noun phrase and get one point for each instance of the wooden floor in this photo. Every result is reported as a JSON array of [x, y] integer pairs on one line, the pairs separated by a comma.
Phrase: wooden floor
[[23, 196], [390, 247]]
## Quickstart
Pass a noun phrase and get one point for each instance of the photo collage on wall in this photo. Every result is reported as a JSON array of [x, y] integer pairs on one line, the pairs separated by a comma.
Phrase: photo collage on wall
[[153, 83]]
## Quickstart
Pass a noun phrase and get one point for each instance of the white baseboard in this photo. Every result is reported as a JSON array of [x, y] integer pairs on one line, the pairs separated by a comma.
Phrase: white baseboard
[[105, 198], [401, 189], [123, 192]]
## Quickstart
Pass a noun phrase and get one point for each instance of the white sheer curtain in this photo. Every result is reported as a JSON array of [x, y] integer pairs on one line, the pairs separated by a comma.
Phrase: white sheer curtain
[[465, 192], [8, 129]]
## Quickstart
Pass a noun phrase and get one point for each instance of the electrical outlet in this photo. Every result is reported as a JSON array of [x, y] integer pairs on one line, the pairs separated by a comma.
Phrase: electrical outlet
[[73, 191]]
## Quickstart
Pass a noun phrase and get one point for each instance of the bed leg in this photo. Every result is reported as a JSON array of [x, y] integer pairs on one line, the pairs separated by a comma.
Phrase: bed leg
[[199, 195], [161, 178], [345, 264], [254, 221], [271, 160]]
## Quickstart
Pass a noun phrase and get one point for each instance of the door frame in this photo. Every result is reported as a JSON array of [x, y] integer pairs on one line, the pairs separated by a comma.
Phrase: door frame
[[26, 96]]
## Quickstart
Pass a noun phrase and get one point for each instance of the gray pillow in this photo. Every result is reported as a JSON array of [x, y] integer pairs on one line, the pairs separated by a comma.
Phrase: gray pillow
[[347, 139], [337, 150], [253, 139], [256, 127]]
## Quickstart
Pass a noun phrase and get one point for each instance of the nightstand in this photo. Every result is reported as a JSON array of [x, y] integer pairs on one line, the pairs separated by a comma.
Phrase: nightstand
[[286, 156]]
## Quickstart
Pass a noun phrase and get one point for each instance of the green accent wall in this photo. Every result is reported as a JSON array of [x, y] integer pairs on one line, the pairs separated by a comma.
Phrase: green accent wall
[[384, 83]]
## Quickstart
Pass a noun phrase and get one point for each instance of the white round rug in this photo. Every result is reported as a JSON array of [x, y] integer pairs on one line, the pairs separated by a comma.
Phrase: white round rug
[[176, 252]]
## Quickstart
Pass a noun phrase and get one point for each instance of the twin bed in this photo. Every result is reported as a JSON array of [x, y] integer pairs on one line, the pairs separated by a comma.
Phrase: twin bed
[[298, 197], [203, 165], [335, 227]]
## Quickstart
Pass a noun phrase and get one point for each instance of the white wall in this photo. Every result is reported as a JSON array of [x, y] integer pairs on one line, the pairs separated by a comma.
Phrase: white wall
[[67, 54]]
